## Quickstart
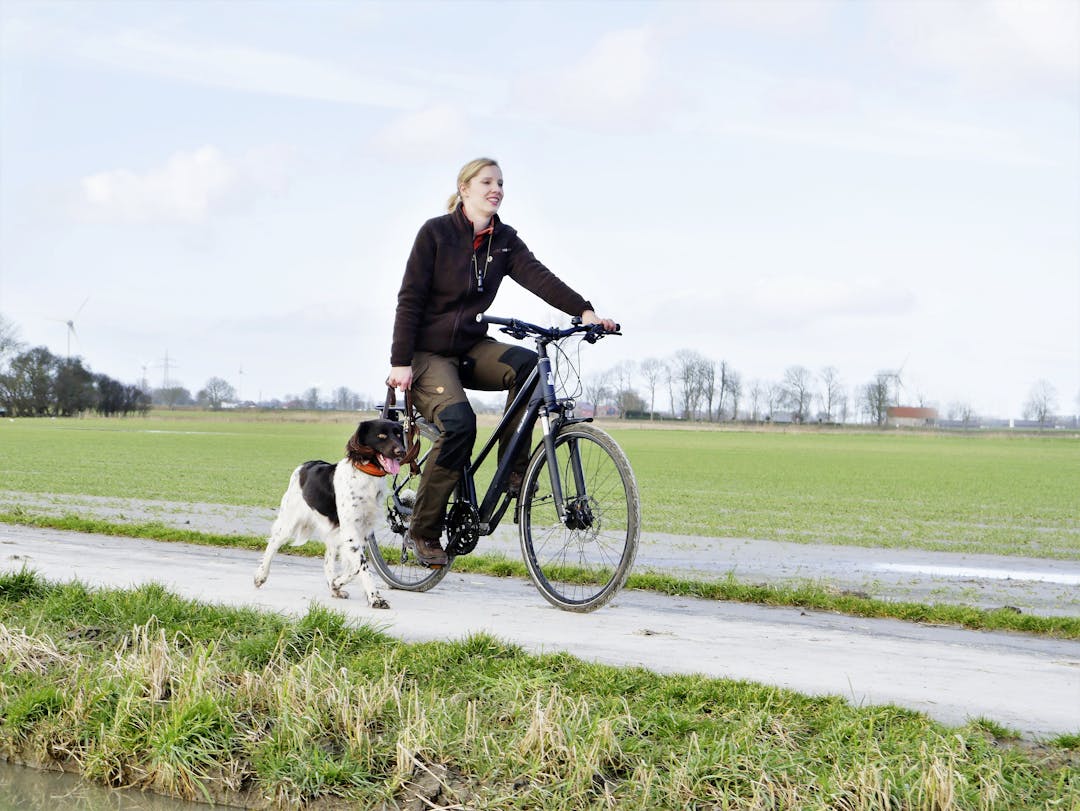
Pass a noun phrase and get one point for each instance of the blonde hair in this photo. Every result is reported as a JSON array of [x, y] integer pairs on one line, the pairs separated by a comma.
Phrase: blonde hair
[[467, 173]]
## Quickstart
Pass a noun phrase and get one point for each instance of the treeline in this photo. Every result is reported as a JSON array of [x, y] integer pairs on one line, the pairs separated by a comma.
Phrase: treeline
[[37, 383], [688, 385]]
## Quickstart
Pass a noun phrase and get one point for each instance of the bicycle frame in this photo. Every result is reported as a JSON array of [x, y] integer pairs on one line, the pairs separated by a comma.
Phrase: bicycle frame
[[544, 406]]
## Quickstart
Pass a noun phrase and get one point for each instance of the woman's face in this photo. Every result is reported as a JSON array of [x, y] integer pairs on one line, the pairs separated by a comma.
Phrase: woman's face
[[482, 195]]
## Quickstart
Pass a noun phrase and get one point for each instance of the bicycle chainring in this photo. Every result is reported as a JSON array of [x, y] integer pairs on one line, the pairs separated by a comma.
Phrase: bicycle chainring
[[462, 528]]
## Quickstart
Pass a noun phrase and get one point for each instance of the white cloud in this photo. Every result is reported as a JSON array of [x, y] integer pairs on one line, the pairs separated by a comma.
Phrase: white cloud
[[769, 15], [438, 130], [232, 66], [803, 300], [186, 189], [898, 132], [616, 85], [995, 43], [783, 306]]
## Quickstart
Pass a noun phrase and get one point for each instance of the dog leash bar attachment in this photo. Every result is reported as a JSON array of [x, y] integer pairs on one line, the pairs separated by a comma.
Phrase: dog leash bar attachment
[[412, 447], [391, 401]]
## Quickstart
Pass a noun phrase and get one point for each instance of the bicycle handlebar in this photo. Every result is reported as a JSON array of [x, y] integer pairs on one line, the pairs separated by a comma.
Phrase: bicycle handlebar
[[519, 329]]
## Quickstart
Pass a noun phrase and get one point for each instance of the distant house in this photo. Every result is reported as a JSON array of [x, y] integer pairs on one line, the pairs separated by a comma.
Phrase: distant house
[[911, 416], [781, 417]]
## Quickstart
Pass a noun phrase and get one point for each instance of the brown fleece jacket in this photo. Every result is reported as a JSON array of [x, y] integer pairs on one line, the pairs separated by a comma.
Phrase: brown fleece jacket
[[439, 297]]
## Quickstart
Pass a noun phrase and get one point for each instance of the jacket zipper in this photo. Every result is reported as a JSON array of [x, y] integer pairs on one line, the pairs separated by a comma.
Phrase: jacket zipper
[[460, 312]]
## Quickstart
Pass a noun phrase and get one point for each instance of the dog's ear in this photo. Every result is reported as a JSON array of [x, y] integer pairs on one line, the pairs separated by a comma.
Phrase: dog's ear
[[358, 448], [368, 431]]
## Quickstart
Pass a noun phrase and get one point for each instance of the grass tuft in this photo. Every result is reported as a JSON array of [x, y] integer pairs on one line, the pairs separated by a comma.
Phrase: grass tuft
[[20, 585]]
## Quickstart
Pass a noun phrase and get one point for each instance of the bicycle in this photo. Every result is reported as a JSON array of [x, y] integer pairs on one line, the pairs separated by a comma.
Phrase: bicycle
[[578, 509]]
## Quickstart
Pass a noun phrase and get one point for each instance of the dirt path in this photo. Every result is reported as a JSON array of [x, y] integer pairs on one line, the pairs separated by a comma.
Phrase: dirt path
[[1036, 586], [952, 675]]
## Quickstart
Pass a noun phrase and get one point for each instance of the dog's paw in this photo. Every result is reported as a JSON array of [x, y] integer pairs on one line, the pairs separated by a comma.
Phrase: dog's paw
[[339, 594], [259, 580], [379, 602]]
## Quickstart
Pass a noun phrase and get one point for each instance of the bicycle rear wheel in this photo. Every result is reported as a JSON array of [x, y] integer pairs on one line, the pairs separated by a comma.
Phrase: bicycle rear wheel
[[581, 563], [388, 548]]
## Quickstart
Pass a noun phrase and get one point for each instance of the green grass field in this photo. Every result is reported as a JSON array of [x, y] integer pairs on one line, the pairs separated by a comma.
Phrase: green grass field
[[997, 493]]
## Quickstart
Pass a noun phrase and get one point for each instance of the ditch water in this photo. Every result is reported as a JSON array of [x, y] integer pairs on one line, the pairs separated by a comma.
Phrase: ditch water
[[24, 789]]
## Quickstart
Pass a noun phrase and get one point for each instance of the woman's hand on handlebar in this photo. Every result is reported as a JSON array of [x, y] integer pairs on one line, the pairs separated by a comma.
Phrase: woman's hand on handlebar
[[400, 377], [589, 317]]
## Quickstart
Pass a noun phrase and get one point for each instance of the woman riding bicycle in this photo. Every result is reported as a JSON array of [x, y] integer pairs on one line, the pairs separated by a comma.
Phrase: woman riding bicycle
[[454, 271]]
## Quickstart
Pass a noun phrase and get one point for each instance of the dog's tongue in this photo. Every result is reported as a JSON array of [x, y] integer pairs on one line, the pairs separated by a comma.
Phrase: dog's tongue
[[391, 466]]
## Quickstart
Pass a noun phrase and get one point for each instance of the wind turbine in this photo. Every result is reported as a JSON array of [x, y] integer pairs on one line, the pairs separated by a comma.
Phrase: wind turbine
[[898, 380], [71, 325]]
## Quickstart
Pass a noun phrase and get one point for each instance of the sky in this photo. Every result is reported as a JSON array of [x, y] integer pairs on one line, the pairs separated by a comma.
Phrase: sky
[[235, 186]]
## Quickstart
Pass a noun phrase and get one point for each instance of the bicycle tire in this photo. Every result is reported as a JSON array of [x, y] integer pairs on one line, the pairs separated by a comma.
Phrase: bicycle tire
[[393, 558], [580, 569]]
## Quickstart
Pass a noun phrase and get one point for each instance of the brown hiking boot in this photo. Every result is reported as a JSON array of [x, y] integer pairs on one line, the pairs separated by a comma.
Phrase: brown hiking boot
[[428, 552]]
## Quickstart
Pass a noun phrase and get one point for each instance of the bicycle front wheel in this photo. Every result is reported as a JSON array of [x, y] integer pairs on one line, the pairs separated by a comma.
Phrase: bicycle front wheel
[[579, 562]]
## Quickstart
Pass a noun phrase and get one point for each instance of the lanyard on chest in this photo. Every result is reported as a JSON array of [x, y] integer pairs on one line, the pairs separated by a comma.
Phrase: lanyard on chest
[[480, 271]]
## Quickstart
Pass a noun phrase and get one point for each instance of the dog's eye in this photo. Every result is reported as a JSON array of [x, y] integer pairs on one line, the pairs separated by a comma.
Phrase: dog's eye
[[382, 436]]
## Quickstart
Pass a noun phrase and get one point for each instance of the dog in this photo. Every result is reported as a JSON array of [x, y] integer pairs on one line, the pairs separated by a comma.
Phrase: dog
[[340, 504]]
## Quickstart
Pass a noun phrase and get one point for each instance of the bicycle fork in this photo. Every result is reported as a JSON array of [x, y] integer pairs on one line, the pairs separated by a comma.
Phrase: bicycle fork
[[576, 514]]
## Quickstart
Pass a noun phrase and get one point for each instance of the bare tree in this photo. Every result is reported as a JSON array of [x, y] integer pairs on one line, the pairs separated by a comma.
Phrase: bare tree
[[875, 397], [961, 412], [626, 398], [687, 370], [758, 400], [831, 393], [345, 399], [217, 392], [843, 404], [311, 398], [629, 401], [1041, 402], [652, 370], [724, 389], [734, 388], [797, 390], [172, 395], [597, 389], [707, 375], [9, 339], [775, 396], [671, 380]]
